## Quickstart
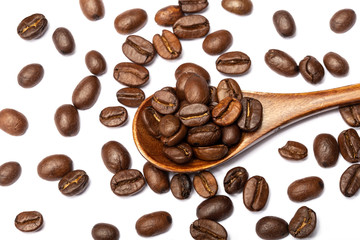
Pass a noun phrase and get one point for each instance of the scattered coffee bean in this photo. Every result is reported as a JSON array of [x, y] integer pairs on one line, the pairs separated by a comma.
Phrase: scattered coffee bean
[[336, 64], [216, 208], [235, 180], [251, 115], [138, 50], [130, 21], [167, 45], [303, 223], [233, 63], [74, 183], [67, 120], [305, 189], [9, 173], [153, 224], [227, 111], [113, 116], [205, 184], [271, 227], [191, 68], [95, 62], [240, 7], [228, 87], [127, 182], [217, 42], [32, 27], [351, 114], [13, 122], [157, 179], [54, 167], [102, 231], [211, 153], [281, 63], [63, 40], [207, 229], [167, 16], [326, 150], [92, 9], [131, 74], [284, 23], [350, 180], [255, 193], [86, 93], [30, 75], [29, 221], [191, 26], [115, 156], [343, 20], [151, 119], [293, 151], [311, 69], [349, 144], [130, 97], [181, 186]]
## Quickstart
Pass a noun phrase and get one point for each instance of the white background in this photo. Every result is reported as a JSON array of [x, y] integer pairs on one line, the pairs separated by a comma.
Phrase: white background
[[73, 217]]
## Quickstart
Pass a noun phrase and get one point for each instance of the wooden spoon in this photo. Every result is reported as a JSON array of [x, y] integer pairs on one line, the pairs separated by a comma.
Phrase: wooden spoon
[[279, 111]]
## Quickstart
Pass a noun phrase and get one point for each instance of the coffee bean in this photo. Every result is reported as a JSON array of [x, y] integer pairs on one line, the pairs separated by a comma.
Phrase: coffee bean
[[169, 125], [350, 180], [233, 63], [311, 69], [205, 184], [138, 50], [127, 182], [13, 122], [216, 208], [181, 82], [284, 23], [67, 120], [86, 93], [305, 189], [235, 180], [176, 138], [191, 68], [32, 27], [197, 90], [195, 114], [130, 21], [63, 40], [9, 173], [113, 116], [180, 154], [131, 74], [167, 45], [336, 64], [204, 135], [74, 183], [240, 7], [228, 87], [326, 150], [349, 145], [181, 186], [158, 180], [343, 20], [167, 16], [151, 119], [95, 62], [351, 114], [193, 6], [281, 63], [92, 9], [54, 167], [217, 42], [102, 231], [251, 115], [30, 75], [211, 153], [303, 222], [130, 97], [115, 156], [165, 102], [153, 224], [191, 26], [293, 151], [213, 95], [230, 135], [29, 221], [271, 227], [255, 193], [226, 112], [207, 229]]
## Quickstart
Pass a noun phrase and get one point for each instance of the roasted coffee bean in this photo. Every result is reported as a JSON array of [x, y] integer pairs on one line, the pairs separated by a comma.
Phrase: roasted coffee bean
[[207, 229], [349, 145], [105, 231], [205, 184], [181, 186], [9, 173], [180, 154], [92, 9], [233, 63], [235, 180], [305, 189], [29, 221], [13, 122], [169, 125], [217, 42], [191, 26], [251, 115], [86, 93], [54, 167], [240, 7], [211, 153], [284, 23], [127, 182], [167, 45], [255, 193], [193, 6], [205, 135], [74, 183], [350, 180], [230, 135], [165, 102], [32, 27], [154, 223], [303, 222], [281, 63], [343, 20], [271, 227], [216, 208], [167, 16], [63, 40], [131, 74], [130, 21], [197, 90], [95, 62], [228, 87], [311, 69], [336, 64], [181, 82], [113, 116], [293, 151], [157, 179], [115, 156], [195, 114], [227, 111], [176, 138], [138, 49], [326, 150], [151, 119], [67, 120], [130, 97], [30, 75], [191, 68], [351, 114]]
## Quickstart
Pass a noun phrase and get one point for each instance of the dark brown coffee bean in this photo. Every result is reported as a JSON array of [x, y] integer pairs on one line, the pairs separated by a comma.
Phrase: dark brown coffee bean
[[217, 42], [228, 87], [216, 208], [191, 26], [181, 186], [154, 223], [211, 153], [343, 20], [95, 62], [326, 150], [29, 221], [311, 69], [271, 227], [255, 193], [230, 135], [191, 68], [131, 74], [351, 114], [151, 119], [127, 182], [349, 145], [240, 7], [169, 125], [251, 114], [195, 114], [92, 9], [113, 116], [138, 50], [13, 122], [105, 231], [167, 16], [284, 23], [74, 183], [176, 138], [32, 27], [205, 184], [54, 167], [233, 63], [9, 173], [193, 6], [207, 229], [350, 180], [305, 189], [205, 135], [130, 97], [67, 120], [281, 63], [227, 111], [180, 154], [165, 102], [303, 222], [115, 156], [157, 179], [30, 75], [235, 180], [167, 45], [197, 90], [336, 64], [86, 93], [63, 40], [293, 151], [130, 21]]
